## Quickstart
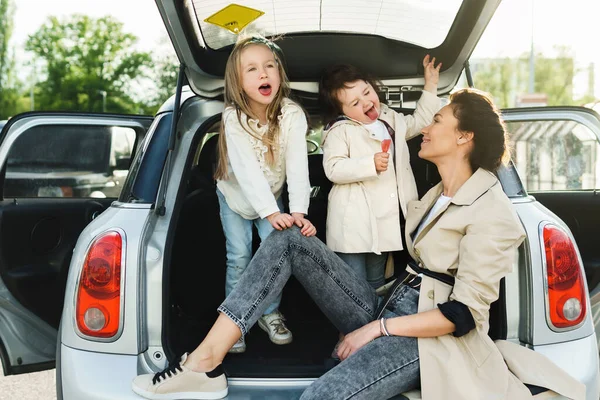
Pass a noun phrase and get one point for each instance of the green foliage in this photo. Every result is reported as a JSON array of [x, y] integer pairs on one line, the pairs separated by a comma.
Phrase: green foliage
[[506, 78], [9, 85], [496, 78], [83, 57], [164, 77], [554, 77]]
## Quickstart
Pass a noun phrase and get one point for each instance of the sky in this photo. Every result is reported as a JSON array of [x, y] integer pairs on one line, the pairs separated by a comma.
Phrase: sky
[[555, 22], [140, 17]]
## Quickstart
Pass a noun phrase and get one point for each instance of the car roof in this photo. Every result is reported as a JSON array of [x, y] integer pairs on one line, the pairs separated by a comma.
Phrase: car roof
[[308, 52]]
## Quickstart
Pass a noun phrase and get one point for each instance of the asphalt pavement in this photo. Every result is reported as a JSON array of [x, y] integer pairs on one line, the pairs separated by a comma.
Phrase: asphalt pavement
[[35, 386]]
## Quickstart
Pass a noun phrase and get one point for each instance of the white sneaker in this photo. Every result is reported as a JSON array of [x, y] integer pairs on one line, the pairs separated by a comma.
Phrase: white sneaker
[[239, 346], [274, 325], [178, 382]]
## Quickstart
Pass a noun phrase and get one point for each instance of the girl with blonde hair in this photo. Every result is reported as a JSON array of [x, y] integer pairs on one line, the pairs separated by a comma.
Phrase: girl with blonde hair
[[262, 145]]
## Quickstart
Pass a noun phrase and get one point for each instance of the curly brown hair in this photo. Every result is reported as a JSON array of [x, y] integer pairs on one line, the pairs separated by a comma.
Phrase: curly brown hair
[[335, 78]]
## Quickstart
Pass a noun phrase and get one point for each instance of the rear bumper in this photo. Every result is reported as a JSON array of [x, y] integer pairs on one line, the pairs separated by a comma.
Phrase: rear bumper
[[579, 358], [101, 376], [95, 376]]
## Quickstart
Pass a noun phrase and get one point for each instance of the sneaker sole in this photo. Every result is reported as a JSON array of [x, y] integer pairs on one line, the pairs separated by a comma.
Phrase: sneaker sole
[[182, 395], [237, 350], [276, 341]]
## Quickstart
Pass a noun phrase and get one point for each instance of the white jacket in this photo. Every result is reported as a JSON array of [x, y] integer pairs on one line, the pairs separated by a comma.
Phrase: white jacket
[[363, 213], [254, 186]]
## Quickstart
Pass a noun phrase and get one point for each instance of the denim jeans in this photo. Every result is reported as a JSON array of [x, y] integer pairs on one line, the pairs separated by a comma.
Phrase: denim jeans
[[382, 368], [369, 266], [238, 244]]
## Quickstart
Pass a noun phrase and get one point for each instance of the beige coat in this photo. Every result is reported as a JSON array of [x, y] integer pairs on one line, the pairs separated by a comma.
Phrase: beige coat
[[474, 239], [363, 212]]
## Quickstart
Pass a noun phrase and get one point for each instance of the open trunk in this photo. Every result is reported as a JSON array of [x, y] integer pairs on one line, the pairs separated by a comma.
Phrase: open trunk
[[196, 278]]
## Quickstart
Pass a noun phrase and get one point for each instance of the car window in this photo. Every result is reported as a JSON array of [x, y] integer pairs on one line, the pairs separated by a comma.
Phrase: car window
[[69, 161], [555, 155]]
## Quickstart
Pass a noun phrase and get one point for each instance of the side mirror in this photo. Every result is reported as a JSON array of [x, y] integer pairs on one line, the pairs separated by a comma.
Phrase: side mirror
[[123, 163]]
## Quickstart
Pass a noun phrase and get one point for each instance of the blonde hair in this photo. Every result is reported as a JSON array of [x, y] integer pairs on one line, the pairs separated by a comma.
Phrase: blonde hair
[[237, 98]]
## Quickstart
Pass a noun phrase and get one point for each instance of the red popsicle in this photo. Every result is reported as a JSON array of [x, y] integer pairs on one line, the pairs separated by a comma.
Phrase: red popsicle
[[385, 145]]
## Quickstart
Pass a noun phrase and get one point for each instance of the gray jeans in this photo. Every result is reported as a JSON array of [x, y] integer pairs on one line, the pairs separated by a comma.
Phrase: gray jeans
[[369, 266], [381, 369]]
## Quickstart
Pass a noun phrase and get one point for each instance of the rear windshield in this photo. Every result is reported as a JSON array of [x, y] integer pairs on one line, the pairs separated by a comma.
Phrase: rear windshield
[[424, 23]]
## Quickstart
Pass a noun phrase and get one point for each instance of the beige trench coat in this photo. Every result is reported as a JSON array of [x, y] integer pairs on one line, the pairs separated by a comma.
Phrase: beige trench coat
[[474, 238], [363, 212]]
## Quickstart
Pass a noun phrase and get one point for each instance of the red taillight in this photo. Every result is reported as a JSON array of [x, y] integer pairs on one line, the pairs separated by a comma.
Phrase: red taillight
[[99, 293], [566, 290]]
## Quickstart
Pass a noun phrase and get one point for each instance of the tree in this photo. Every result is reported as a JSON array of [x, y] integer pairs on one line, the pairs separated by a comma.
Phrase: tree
[[89, 64], [554, 77], [163, 76], [506, 78], [9, 85], [497, 79], [167, 70]]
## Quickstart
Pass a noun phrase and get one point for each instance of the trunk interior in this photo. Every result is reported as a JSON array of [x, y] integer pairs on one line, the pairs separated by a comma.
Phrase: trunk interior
[[195, 282]]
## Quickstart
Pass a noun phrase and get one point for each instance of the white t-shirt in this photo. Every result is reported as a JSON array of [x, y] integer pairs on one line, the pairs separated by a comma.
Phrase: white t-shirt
[[380, 131], [440, 203]]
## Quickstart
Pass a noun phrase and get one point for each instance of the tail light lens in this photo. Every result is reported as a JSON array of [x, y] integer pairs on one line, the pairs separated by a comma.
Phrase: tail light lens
[[98, 305], [567, 298]]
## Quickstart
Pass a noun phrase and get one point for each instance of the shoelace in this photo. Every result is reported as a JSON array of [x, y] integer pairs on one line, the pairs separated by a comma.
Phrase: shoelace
[[279, 325], [171, 369]]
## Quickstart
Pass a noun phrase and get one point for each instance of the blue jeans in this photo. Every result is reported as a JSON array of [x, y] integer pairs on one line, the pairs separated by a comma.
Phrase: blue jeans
[[238, 244], [368, 266], [382, 368]]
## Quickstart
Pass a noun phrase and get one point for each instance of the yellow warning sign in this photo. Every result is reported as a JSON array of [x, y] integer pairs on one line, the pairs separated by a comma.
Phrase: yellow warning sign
[[234, 17]]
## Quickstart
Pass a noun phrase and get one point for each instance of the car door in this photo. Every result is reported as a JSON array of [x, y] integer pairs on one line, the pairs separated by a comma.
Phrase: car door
[[557, 153], [58, 172]]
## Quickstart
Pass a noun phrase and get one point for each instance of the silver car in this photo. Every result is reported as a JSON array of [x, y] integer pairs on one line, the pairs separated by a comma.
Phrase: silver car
[[108, 288]]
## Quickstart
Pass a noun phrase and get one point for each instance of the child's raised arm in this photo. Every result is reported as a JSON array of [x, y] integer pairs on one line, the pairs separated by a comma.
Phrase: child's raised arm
[[432, 74], [429, 103]]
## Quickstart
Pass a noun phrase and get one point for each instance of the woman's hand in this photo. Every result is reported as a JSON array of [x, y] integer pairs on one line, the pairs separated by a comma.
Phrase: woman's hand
[[306, 227], [432, 74], [381, 161], [280, 221], [358, 338]]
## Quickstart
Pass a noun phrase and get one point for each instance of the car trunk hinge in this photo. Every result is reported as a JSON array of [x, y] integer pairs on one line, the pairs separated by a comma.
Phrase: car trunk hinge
[[394, 96], [162, 190], [468, 74]]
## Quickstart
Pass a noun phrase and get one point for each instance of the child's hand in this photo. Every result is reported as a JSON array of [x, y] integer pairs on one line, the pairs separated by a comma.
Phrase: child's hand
[[381, 161], [280, 221], [306, 227], [432, 74]]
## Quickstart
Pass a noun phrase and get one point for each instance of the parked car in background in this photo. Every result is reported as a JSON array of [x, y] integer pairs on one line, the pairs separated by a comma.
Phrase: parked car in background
[[109, 288], [64, 160]]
